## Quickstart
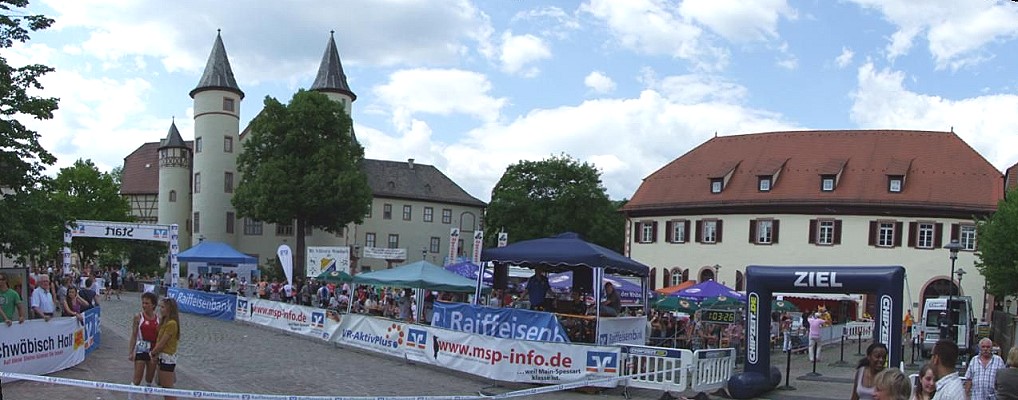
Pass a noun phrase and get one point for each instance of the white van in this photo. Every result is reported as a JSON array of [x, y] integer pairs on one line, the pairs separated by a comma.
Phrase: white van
[[965, 323]]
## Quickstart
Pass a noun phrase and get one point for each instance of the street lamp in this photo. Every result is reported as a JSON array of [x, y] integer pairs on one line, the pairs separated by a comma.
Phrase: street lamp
[[717, 268], [960, 272], [953, 247]]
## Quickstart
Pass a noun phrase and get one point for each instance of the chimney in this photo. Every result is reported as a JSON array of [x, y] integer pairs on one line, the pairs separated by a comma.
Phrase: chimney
[[410, 162]]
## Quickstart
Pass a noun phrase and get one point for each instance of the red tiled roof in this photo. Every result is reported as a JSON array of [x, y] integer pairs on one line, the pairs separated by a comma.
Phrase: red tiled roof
[[940, 170], [141, 171]]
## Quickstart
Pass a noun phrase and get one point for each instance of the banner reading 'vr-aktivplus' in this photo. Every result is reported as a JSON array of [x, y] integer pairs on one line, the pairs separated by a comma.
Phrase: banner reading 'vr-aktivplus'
[[37, 347], [307, 321], [215, 305], [510, 323]]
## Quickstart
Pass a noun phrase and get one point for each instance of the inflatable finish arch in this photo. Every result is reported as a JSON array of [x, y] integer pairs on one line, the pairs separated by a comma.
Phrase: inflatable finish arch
[[887, 283]]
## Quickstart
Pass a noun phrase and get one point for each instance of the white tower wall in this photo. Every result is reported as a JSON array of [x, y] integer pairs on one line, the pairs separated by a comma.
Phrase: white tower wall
[[175, 177], [214, 122]]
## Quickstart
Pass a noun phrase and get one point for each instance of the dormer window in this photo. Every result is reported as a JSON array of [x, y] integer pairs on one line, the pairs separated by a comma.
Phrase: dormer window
[[827, 183], [895, 183], [716, 185], [765, 183]]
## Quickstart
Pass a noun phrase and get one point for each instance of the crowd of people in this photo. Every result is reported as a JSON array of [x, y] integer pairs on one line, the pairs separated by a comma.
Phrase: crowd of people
[[55, 295]]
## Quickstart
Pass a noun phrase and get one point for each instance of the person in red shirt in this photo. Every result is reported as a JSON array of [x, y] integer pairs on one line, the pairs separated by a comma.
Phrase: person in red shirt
[[143, 339]]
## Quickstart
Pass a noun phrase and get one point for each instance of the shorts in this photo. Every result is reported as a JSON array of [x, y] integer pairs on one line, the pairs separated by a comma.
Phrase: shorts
[[167, 362], [142, 357]]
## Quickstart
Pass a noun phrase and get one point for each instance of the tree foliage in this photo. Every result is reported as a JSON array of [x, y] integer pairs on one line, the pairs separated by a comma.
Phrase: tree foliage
[[536, 199], [82, 192], [302, 165], [23, 209], [997, 255]]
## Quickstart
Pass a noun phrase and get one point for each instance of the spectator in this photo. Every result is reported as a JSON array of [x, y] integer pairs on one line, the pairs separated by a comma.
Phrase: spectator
[[88, 294], [612, 302], [43, 302], [945, 357], [405, 305], [926, 384], [869, 367], [537, 288], [73, 305], [815, 323], [10, 302], [981, 373], [891, 384], [1007, 379]]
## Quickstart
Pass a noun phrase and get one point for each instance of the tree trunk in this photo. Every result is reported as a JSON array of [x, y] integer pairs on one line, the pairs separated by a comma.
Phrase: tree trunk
[[299, 252]]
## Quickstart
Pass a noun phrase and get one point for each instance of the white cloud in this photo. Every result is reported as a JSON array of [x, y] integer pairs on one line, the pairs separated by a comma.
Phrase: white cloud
[[693, 89], [845, 58], [599, 82], [560, 26], [739, 21], [788, 62], [520, 51], [956, 30], [987, 123], [438, 92]]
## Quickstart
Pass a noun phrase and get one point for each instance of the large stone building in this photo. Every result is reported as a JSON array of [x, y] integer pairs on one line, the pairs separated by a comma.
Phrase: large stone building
[[817, 198], [191, 183]]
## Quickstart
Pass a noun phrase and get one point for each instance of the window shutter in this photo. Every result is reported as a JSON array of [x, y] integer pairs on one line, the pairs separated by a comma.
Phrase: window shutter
[[938, 232], [669, 228], [719, 231], [955, 231], [699, 231], [637, 233], [898, 226], [752, 231], [912, 228], [653, 232], [667, 278], [837, 231], [653, 278], [685, 232], [873, 233], [774, 234], [812, 231]]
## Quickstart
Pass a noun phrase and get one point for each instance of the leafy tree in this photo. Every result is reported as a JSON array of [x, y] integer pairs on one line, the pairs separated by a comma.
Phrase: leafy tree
[[997, 254], [82, 192], [536, 199], [146, 257], [301, 165], [22, 158]]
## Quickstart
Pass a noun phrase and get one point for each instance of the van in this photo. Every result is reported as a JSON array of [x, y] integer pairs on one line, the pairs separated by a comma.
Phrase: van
[[963, 321]]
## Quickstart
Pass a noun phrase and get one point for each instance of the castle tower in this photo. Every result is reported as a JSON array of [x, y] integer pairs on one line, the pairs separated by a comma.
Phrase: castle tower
[[217, 101], [175, 182], [331, 79]]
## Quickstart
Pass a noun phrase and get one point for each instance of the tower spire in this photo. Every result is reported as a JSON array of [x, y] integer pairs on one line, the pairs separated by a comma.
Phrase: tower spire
[[218, 74], [331, 77]]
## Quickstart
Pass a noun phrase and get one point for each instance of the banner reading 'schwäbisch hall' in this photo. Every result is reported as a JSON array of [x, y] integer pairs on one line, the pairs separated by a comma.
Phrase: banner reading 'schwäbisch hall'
[[37, 347]]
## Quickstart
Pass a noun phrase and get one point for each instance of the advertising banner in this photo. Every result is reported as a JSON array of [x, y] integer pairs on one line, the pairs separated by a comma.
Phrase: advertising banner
[[120, 230], [475, 255], [39, 348], [622, 330], [93, 329], [509, 323], [385, 253], [215, 305], [308, 321], [454, 242], [327, 258]]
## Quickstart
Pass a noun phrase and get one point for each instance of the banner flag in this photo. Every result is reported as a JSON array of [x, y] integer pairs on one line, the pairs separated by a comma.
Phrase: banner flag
[[503, 239], [215, 305], [454, 242], [286, 260]]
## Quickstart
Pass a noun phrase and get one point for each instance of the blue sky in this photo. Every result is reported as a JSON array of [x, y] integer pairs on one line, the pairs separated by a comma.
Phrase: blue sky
[[473, 87]]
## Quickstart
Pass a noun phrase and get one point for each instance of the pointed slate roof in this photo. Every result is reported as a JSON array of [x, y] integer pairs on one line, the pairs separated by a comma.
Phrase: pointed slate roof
[[218, 74], [173, 138], [331, 77]]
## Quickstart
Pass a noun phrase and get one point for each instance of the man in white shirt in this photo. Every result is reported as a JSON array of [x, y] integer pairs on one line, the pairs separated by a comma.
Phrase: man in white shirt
[[945, 357], [42, 301], [981, 374]]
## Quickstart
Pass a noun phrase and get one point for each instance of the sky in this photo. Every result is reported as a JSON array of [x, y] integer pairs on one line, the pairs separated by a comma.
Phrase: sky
[[474, 87]]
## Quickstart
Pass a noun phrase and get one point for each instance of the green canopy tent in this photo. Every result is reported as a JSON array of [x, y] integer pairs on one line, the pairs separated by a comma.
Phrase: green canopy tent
[[418, 275], [334, 277]]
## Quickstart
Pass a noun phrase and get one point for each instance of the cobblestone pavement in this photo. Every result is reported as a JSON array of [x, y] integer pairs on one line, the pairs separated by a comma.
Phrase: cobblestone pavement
[[236, 357]]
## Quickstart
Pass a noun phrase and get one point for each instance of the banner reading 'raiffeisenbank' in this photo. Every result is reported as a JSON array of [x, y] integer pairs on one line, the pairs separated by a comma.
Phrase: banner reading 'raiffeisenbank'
[[501, 359], [307, 321], [509, 323], [215, 305], [37, 347]]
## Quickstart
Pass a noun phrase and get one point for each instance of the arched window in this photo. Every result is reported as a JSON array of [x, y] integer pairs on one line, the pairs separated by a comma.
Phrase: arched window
[[678, 276], [706, 274], [468, 222], [173, 196]]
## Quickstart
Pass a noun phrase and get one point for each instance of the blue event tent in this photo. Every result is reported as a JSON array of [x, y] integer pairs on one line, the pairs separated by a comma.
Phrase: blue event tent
[[211, 252], [563, 253], [628, 291], [468, 270]]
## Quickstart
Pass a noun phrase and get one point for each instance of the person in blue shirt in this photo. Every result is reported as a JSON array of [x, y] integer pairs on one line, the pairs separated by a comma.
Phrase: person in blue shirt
[[537, 288]]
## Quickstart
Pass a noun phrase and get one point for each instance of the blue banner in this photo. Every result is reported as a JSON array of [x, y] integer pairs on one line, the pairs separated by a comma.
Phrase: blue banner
[[215, 305], [509, 323], [93, 329]]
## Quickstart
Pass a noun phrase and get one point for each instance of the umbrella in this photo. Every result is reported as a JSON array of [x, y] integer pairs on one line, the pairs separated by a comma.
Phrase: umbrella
[[721, 302], [334, 277], [708, 289], [783, 306], [676, 304]]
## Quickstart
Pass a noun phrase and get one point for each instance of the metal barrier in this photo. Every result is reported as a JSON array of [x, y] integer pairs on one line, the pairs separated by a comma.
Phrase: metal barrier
[[859, 329], [658, 368], [712, 368]]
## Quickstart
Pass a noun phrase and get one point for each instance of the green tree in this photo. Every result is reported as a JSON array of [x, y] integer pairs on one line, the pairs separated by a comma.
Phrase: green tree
[[23, 209], [82, 192], [997, 255], [302, 165], [536, 199]]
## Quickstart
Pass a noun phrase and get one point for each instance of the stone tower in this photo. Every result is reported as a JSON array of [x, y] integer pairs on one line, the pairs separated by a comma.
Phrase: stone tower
[[331, 80], [175, 182], [217, 101]]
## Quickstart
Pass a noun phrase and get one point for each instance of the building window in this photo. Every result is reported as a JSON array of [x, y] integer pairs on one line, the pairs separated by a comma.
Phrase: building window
[[895, 183], [196, 222], [197, 145], [827, 183], [647, 231], [763, 231], [231, 219], [709, 231], [228, 144], [228, 104], [407, 212], [925, 239], [252, 227], [429, 214], [173, 196], [765, 184], [284, 229], [825, 232], [677, 231], [228, 182], [368, 215], [967, 237], [197, 182], [433, 246], [716, 185], [393, 241], [885, 234], [387, 211], [446, 216], [369, 239]]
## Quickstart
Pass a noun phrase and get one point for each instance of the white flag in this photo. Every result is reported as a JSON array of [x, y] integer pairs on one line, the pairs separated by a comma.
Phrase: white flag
[[286, 260]]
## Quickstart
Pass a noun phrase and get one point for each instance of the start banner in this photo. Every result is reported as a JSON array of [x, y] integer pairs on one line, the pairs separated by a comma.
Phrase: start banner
[[308, 321], [215, 305], [494, 358], [508, 323], [38, 347]]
